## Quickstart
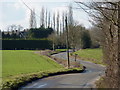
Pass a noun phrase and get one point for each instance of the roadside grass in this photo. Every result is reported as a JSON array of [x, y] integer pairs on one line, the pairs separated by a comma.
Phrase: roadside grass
[[93, 55], [61, 50], [57, 51], [101, 83], [22, 66], [15, 82]]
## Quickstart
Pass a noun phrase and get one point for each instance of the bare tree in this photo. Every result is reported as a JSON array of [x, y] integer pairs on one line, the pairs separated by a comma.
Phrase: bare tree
[[51, 23], [12, 27], [60, 28], [19, 27], [54, 21], [53, 38], [75, 36], [33, 19], [97, 37], [106, 16], [46, 19], [63, 20], [49, 19], [70, 15], [71, 27], [42, 14], [58, 17]]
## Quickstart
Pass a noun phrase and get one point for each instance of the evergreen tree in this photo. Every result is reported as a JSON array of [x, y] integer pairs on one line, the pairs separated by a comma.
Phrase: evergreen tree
[[86, 39]]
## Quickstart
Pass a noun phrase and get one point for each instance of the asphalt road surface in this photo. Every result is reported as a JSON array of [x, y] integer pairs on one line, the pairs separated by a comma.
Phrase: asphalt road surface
[[75, 80]]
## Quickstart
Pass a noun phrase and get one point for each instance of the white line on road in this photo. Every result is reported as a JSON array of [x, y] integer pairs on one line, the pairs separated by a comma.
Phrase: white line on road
[[32, 85], [41, 86]]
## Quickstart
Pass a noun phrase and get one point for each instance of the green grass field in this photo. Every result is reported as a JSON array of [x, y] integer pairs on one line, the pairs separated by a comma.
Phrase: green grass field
[[15, 62], [0, 67], [94, 55]]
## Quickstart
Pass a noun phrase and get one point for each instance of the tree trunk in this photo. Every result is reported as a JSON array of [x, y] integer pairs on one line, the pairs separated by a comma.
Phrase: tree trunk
[[112, 79], [119, 41]]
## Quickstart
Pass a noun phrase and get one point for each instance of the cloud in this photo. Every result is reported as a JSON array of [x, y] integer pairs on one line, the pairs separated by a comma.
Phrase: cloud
[[37, 0], [1, 18], [60, 9], [53, 8], [23, 21]]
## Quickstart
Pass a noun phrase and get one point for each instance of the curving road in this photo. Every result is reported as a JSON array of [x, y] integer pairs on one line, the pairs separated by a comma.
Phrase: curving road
[[76, 80]]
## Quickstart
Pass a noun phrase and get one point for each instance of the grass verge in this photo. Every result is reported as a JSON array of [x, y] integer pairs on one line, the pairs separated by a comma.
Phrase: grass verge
[[93, 55], [15, 82], [57, 51], [101, 83], [51, 52]]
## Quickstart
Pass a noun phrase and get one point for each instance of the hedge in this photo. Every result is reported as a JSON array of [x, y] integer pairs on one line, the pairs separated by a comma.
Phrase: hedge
[[26, 44]]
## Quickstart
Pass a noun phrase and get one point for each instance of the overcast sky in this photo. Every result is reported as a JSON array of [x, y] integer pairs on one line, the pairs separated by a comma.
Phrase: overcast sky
[[15, 12]]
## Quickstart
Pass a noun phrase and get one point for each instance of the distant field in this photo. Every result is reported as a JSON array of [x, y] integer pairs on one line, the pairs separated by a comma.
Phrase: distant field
[[94, 55], [15, 62]]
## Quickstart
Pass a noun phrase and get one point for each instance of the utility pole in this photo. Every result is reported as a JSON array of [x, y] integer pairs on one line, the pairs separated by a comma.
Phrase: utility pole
[[67, 42]]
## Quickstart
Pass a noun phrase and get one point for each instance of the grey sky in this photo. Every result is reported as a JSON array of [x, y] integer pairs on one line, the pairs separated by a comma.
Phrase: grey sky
[[15, 12]]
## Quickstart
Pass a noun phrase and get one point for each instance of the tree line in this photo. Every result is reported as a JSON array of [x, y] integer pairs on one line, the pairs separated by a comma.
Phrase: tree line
[[52, 27], [33, 33], [79, 37]]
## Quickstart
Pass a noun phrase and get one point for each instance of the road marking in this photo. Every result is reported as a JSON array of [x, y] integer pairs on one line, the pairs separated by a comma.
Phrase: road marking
[[41, 86], [35, 86], [32, 85]]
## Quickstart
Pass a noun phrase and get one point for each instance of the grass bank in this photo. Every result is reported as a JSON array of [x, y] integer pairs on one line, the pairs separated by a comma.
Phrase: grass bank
[[15, 82], [93, 55], [57, 51]]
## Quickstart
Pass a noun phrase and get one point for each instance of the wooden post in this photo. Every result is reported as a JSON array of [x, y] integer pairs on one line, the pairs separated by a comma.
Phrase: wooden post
[[67, 42]]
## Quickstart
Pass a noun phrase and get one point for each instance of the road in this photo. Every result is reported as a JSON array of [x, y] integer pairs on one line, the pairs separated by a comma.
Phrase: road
[[76, 80]]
